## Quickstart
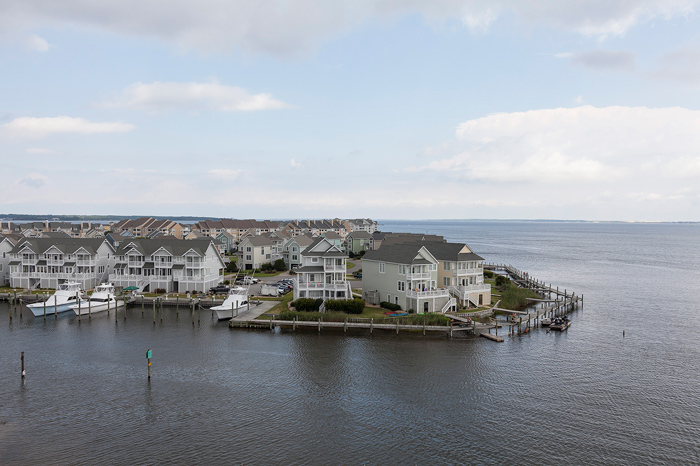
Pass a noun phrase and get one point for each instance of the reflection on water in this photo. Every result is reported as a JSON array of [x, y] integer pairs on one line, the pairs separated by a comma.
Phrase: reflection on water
[[585, 396]]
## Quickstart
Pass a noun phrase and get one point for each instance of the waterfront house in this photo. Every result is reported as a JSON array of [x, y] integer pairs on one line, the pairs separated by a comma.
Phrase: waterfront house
[[228, 241], [334, 238], [461, 272], [7, 243], [48, 262], [174, 265], [404, 274], [322, 273]]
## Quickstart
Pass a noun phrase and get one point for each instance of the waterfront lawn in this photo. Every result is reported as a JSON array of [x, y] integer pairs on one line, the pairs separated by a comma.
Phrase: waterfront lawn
[[515, 298], [369, 313], [349, 265]]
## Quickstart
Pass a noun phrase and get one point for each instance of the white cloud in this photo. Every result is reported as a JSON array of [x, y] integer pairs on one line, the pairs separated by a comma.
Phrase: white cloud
[[30, 127], [38, 44], [680, 65], [162, 96], [294, 164], [583, 146], [39, 150], [297, 25], [225, 173]]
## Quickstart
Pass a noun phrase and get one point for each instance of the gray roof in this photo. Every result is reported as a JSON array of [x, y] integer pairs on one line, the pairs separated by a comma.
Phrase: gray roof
[[15, 262], [259, 241], [331, 235], [311, 268], [178, 266], [359, 235], [332, 252], [303, 240], [176, 247], [148, 265], [66, 245], [449, 251], [397, 253]]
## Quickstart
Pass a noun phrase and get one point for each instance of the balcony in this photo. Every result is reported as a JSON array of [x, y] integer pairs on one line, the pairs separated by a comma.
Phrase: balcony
[[418, 275], [467, 272], [334, 286], [439, 293]]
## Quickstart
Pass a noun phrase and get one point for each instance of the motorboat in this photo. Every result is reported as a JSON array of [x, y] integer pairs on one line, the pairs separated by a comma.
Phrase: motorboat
[[102, 298], [66, 295], [560, 323], [545, 321], [236, 301]]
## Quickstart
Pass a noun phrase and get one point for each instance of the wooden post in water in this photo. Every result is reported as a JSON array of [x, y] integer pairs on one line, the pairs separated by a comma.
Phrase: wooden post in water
[[345, 326], [107, 303], [192, 309], [371, 325], [22, 359], [160, 301], [177, 305], [397, 326], [294, 323], [199, 314], [154, 311], [141, 305], [319, 324], [44, 310]]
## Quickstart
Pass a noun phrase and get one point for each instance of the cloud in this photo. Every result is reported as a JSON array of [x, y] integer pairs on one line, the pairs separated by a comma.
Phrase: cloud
[[38, 44], [163, 96], [605, 60], [294, 164], [30, 127], [582, 146], [33, 180], [225, 173], [39, 150], [295, 26], [680, 65]]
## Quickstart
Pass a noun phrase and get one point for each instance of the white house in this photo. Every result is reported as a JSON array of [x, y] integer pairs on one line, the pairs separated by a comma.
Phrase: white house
[[48, 262], [322, 273], [175, 265]]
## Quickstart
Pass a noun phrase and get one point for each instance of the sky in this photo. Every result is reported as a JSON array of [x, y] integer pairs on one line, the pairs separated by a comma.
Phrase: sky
[[390, 109]]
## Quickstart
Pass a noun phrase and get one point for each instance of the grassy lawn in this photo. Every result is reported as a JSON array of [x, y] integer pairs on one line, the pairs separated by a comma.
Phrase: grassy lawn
[[349, 265]]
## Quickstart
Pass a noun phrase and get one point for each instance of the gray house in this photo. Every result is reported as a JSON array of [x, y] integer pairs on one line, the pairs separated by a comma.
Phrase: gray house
[[407, 275]]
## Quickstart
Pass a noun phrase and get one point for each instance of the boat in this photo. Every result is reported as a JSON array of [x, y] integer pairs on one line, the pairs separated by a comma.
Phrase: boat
[[545, 321], [102, 298], [66, 295], [560, 324], [236, 301]]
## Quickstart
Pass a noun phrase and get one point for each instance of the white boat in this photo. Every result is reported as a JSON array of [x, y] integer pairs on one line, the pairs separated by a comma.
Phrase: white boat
[[235, 302], [66, 295], [545, 321], [102, 299]]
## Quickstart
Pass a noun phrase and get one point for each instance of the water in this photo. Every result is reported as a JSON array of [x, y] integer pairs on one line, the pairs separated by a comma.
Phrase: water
[[586, 396]]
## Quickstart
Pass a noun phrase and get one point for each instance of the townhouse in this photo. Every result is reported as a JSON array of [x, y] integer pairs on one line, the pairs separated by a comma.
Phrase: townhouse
[[292, 249], [47, 262], [175, 265], [322, 273], [357, 241]]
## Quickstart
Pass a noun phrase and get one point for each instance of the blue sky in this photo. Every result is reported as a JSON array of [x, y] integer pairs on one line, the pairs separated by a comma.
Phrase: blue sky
[[415, 109]]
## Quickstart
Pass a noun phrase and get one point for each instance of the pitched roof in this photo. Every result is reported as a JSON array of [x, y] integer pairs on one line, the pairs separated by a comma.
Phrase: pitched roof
[[397, 253], [176, 247], [359, 235], [66, 245]]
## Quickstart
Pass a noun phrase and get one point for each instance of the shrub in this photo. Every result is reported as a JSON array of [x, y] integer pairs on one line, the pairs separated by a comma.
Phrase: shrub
[[159, 291], [307, 304], [279, 265], [348, 306], [232, 267], [488, 274], [267, 267], [227, 282], [390, 306], [502, 281]]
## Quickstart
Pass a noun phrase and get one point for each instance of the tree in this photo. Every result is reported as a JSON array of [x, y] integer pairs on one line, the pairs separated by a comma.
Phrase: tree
[[280, 266], [232, 267]]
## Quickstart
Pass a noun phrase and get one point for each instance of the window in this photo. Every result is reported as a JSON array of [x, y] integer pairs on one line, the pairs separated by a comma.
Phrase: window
[[314, 259], [381, 269], [446, 281], [446, 265], [401, 286], [402, 269], [248, 257], [247, 249], [388, 298], [433, 267], [294, 249], [396, 300], [295, 257]]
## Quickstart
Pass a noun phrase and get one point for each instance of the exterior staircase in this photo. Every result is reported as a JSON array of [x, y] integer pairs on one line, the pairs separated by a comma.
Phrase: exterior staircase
[[451, 303]]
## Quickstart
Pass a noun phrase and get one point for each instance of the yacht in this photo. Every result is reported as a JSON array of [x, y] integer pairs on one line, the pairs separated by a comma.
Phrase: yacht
[[66, 295], [102, 299], [236, 301]]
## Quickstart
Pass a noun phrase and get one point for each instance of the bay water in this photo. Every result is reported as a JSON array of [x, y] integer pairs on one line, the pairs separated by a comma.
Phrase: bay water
[[219, 396]]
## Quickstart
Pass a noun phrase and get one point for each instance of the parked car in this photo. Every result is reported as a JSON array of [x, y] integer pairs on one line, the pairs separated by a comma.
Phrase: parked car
[[219, 289]]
